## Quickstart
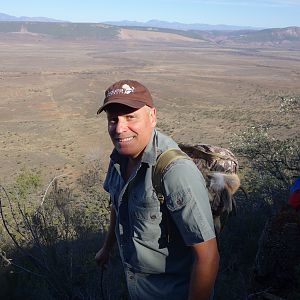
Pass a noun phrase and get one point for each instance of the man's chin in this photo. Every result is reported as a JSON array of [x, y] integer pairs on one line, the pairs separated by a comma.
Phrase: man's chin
[[125, 152]]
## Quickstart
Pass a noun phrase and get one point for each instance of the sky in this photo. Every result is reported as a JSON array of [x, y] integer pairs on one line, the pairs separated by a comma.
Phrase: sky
[[264, 14]]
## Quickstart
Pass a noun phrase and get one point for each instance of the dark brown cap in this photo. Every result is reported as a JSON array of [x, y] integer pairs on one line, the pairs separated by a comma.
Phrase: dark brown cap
[[127, 92]]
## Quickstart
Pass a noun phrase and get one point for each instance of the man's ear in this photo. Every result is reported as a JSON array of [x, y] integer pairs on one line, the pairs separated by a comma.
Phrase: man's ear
[[153, 117]]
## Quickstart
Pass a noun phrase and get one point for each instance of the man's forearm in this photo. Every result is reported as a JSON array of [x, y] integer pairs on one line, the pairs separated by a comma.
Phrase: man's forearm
[[204, 272], [202, 281]]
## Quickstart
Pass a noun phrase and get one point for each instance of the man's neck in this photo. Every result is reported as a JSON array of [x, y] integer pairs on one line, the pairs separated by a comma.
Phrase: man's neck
[[132, 165]]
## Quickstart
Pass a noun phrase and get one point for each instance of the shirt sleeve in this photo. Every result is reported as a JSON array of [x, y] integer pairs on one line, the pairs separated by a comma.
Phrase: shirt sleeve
[[187, 201], [107, 184]]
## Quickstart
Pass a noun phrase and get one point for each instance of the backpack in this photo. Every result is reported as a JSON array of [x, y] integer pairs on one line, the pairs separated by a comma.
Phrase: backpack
[[219, 168]]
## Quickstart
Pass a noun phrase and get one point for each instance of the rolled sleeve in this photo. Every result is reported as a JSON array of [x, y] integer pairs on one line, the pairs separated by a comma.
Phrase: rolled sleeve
[[187, 201]]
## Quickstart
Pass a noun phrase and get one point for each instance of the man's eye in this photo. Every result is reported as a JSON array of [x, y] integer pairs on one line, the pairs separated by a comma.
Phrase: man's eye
[[129, 117], [113, 121]]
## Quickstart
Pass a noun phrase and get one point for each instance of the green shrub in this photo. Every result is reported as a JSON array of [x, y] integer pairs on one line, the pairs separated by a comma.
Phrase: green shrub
[[27, 181]]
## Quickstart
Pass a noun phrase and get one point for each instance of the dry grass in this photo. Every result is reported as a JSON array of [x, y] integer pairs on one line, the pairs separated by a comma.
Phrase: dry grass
[[50, 92]]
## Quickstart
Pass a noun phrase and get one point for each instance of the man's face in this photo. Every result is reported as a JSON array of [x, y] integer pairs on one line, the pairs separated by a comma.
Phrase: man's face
[[130, 129]]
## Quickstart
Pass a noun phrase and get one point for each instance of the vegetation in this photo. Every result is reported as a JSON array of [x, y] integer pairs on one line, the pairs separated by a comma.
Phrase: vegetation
[[53, 246], [268, 167], [26, 182]]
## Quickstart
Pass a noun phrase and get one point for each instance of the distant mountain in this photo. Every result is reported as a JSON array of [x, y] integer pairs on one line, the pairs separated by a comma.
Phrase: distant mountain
[[151, 23], [179, 26], [263, 37], [272, 37], [5, 17]]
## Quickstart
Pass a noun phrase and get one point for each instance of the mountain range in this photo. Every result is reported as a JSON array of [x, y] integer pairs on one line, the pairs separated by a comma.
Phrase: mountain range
[[179, 26], [44, 28], [5, 17], [150, 23]]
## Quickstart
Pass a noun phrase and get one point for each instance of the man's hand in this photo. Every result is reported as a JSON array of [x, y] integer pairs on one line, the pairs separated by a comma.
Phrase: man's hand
[[102, 257]]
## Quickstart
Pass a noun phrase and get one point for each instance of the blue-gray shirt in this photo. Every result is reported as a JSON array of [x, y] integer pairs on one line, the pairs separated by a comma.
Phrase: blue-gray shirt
[[154, 239]]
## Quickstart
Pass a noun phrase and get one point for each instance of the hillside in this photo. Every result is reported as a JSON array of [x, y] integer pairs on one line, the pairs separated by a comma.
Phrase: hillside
[[263, 37], [286, 37], [61, 30]]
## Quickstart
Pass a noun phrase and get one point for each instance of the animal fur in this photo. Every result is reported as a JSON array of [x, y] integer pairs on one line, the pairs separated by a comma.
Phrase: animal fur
[[222, 187], [221, 181]]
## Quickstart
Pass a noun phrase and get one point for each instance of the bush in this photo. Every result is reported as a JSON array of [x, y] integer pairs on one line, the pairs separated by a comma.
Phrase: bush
[[270, 163], [268, 167], [27, 182], [55, 244]]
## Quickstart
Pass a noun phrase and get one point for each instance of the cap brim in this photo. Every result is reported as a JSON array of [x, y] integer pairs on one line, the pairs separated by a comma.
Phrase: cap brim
[[126, 102]]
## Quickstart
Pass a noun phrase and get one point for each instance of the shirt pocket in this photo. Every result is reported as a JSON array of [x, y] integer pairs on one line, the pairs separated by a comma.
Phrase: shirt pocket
[[147, 223], [178, 200]]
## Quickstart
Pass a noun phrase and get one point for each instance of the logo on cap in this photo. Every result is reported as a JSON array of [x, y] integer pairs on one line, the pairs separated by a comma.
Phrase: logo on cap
[[126, 89]]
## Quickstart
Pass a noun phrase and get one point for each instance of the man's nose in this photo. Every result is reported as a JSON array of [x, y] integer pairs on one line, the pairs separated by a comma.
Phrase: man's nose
[[121, 126]]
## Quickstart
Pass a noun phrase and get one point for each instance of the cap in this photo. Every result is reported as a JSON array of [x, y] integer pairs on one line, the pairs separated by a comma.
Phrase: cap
[[127, 92]]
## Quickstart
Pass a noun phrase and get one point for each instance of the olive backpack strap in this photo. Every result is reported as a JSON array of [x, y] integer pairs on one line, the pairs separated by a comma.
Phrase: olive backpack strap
[[162, 161]]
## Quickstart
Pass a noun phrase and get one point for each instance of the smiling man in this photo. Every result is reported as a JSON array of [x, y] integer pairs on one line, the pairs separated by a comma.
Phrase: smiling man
[[168, 250]]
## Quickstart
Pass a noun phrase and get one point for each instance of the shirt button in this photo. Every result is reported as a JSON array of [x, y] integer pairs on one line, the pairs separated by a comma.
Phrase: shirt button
[[153, 217], [179, 202]]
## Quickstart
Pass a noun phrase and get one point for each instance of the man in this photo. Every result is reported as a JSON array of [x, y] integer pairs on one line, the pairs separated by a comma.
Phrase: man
[[168, 251]]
